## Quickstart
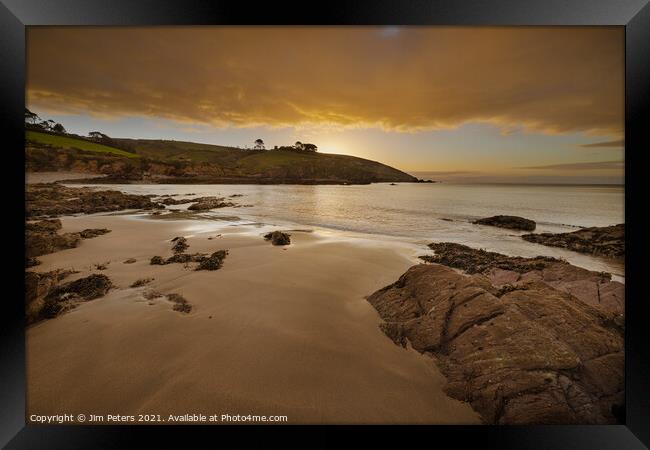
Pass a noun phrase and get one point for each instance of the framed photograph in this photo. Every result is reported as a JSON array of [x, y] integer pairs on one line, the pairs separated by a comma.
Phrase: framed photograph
[[371, 213]]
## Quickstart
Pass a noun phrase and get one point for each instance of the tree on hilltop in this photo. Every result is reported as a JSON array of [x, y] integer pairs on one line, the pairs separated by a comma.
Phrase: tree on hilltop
[[97, 135], [259, 144], [58, 128], [31, 117]]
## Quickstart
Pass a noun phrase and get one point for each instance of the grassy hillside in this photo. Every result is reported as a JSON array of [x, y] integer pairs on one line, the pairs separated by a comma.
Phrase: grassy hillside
[[74, 143], [176, 150], [189, 162]]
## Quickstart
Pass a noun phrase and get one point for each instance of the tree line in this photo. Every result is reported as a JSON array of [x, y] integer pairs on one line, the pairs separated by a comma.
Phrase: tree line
[[300, 146], [32, 120]]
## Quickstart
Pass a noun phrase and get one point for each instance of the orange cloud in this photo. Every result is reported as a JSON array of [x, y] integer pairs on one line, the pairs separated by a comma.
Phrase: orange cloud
[[549, 80]]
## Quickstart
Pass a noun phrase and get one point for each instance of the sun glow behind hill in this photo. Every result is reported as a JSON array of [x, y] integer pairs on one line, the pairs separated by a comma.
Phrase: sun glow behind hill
[[536, 102]]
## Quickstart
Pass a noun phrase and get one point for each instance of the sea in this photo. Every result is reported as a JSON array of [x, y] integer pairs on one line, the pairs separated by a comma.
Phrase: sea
[[417, 213]]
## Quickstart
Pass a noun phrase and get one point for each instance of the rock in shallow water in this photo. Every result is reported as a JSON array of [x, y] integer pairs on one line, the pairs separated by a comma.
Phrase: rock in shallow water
[[207, 203], [511, 222], [597, 241]]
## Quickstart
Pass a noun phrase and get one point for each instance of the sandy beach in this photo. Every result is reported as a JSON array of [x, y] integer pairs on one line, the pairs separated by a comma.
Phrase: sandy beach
[[276, 331]]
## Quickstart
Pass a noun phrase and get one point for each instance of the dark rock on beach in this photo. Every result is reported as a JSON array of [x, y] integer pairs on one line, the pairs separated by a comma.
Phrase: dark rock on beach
[[184, 258], [45, 298], [214, 262], [88, 288], [529, 353], [157, 260], [37, 286], [90, 233], [278, 238], [593, 288], [510, 222], [31, 262], [42, 237], [598, 241], [52, 199], [205, 262], [180, 244]]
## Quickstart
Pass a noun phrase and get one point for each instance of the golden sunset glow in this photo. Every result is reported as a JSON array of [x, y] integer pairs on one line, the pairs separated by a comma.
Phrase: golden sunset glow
[[349, 88]]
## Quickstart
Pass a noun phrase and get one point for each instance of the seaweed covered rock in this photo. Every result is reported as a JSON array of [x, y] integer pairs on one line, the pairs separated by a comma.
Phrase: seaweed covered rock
[[510, 222], [90, 233], [278, 238], [184, 258], [157, 260], [180, 303], [88, 288], [528, 355], [214, 261], [598, 241], [180, 244]]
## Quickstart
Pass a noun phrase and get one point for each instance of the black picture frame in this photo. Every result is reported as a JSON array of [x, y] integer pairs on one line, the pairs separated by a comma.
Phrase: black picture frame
[[634, 15]]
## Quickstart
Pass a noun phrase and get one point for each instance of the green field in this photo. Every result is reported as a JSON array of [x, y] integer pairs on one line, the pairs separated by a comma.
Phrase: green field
[[70, 142]]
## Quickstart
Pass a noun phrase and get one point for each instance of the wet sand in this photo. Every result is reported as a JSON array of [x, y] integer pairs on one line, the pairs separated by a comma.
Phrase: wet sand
[[274, 332]]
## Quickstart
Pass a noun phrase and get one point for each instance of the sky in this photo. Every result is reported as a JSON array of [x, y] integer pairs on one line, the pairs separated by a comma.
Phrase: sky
[[482, 104]]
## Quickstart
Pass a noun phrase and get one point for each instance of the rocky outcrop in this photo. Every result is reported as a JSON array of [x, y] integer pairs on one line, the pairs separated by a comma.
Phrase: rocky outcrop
[[510, 222], [593, 288], [278, 238], [526, 354], [207, 203], [37, 286], [51, 200], [42, 237], [45, 298], [597, 241]]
